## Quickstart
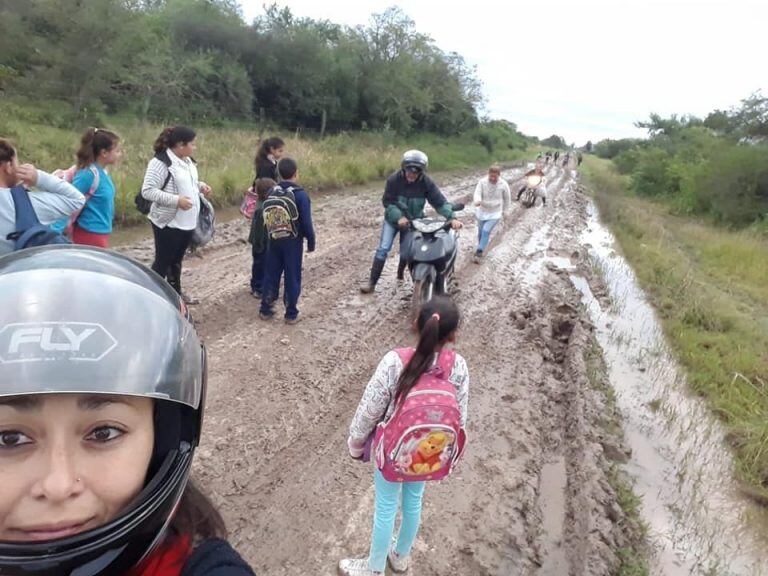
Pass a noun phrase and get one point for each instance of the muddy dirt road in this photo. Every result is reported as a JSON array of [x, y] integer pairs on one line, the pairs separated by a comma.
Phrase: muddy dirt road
[[531, 496]]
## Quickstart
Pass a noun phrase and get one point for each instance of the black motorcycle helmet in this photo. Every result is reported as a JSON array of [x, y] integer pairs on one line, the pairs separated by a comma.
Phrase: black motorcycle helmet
[[134, 337]]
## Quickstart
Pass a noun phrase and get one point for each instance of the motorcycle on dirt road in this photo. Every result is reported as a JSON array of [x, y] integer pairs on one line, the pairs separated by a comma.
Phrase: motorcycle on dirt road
[[429, 249], [528, 196]]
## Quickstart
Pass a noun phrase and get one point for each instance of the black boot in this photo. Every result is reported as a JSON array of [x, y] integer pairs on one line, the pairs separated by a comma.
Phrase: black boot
[[376, 269], [401, 269]]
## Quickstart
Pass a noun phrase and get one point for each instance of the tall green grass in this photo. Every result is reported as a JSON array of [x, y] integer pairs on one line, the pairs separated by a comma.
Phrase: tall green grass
[[44, 136], [710, 288]]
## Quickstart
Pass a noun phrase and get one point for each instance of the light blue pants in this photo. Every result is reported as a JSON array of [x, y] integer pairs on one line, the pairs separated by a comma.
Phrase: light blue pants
[[389, 496], [484, 229], [388, 233]]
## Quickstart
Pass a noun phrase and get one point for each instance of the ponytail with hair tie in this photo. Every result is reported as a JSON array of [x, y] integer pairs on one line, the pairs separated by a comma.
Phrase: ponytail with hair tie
[[438, 319], [92, 142]]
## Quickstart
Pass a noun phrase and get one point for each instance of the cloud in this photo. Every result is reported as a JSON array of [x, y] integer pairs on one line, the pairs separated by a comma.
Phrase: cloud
[[588, 70]]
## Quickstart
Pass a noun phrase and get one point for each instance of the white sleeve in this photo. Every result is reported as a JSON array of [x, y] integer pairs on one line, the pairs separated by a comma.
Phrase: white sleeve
[[376, 398], [56, 198], [478, 197], [506, 196], [460, 379]]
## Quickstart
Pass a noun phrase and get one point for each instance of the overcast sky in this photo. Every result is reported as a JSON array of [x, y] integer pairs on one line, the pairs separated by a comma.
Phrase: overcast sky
[[587, 70]]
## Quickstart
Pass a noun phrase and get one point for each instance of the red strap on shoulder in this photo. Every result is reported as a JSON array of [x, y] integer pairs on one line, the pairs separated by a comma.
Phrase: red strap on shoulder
[[446, 360], [405, 354]]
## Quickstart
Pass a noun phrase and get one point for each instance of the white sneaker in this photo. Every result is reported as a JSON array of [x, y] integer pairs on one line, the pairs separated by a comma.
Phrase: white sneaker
[[356, 567], [398, 563]]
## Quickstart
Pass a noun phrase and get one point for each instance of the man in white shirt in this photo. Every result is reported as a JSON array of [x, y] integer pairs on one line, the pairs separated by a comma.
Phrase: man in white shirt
[[492, 199]]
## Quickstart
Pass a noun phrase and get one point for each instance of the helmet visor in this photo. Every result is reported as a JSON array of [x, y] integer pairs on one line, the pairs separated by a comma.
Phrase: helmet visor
[[80, 331]]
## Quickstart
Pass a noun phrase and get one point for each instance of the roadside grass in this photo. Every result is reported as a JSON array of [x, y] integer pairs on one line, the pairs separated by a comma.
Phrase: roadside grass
[[710, 288], [633, 557], [225, 154]]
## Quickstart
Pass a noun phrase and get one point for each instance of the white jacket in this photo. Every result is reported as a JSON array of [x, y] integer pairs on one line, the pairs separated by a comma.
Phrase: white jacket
[[493, 199], [184, 182]]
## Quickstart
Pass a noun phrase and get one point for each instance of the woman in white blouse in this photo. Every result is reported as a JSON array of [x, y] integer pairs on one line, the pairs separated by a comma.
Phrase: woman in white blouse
[[171, 183]]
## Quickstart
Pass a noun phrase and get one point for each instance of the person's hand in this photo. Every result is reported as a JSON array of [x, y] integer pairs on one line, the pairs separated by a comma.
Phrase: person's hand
[[184, 203], [205, 189], [455, 224], [478, 203], [403, 222], [27, 175]]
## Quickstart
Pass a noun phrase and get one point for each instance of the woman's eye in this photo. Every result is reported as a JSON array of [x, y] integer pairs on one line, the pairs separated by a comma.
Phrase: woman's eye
[[104, 434], [13, 439]]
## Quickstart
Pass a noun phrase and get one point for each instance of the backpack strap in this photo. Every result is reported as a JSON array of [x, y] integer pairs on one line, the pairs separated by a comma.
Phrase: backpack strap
[[406, 354], [446, 360], [91, 191], [24, 211]]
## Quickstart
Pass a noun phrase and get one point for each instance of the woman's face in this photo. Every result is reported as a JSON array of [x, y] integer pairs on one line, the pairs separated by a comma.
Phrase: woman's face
[[277, 153], [70, 462], [185, 149]]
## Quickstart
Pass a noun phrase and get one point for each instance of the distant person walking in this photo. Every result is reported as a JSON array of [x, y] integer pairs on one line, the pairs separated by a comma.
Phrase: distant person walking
[[492, 200]]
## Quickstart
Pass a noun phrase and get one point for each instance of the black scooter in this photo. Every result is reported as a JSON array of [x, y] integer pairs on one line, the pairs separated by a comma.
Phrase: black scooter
[[429, 249]]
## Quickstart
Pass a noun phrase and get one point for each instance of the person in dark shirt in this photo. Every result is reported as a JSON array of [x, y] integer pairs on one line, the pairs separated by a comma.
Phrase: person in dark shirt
[[405, 195], [285, 247], [268, 155]]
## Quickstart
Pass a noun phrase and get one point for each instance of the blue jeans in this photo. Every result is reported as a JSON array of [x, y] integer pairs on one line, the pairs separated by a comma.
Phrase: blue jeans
[[484, 229], [283, 259], [389, 496], [388, 233]]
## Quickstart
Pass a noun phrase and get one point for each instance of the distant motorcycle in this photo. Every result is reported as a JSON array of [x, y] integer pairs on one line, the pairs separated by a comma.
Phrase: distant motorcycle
[[528, 196], [430, 250]]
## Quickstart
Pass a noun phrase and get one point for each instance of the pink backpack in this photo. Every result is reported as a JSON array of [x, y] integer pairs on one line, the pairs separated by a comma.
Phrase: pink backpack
[[423, 439], [249, 203]]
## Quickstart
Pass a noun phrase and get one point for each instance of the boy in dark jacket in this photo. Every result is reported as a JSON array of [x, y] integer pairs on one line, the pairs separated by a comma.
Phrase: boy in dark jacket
[[287, 216], [405, 195]]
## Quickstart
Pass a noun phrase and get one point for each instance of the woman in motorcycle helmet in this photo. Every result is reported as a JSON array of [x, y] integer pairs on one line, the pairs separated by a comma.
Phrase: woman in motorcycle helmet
[[102, 385]]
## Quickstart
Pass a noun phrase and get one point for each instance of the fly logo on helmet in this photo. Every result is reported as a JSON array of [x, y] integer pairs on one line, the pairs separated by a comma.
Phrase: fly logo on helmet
[[37, 342]]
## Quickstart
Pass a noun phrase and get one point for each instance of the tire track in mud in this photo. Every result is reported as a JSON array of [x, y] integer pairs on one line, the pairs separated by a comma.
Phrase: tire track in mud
[[530, 496]]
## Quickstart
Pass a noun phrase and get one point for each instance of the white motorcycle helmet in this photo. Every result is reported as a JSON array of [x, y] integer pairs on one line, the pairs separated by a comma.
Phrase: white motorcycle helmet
[[415, 160]]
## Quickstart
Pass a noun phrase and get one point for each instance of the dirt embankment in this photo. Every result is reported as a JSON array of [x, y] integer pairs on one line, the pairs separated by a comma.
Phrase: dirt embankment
[[531, 496]]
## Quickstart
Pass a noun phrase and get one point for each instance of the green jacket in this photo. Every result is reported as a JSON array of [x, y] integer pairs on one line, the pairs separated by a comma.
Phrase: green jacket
[[414, 196]]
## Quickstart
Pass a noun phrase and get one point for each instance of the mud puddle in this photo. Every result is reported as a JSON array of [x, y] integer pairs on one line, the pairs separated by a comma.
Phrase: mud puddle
[[699, 521]]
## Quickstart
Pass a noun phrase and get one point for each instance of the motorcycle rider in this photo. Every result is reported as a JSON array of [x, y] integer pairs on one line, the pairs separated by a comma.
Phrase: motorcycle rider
[[541, 189], [405, 193], [100, 415]]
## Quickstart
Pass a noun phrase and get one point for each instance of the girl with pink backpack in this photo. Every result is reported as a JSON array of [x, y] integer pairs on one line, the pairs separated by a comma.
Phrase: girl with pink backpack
[[411, 422]]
